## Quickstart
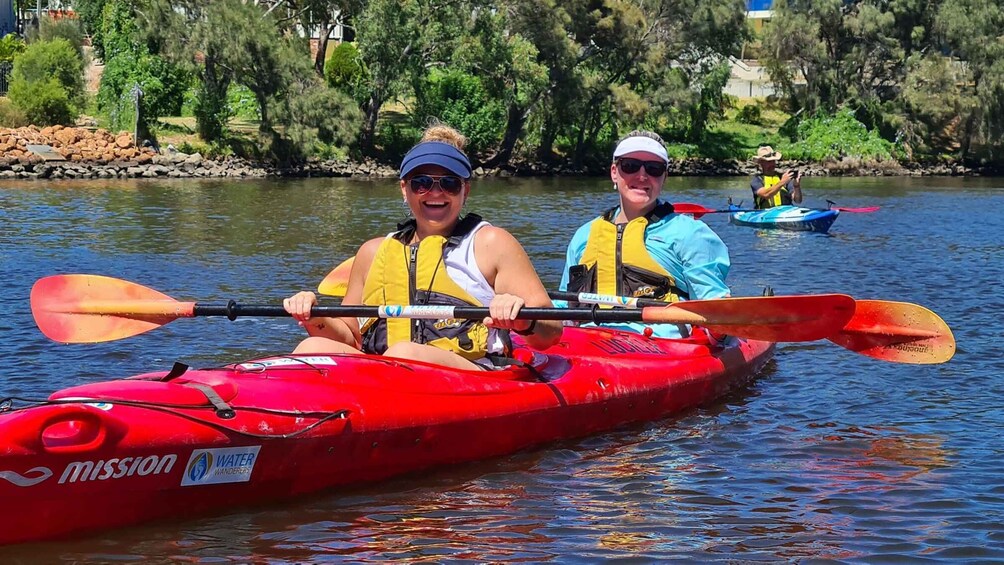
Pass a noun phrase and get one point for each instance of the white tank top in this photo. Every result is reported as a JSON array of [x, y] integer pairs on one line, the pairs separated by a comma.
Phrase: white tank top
[[463, 269]]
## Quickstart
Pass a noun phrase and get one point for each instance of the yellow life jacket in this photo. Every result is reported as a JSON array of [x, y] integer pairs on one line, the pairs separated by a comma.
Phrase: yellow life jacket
[[407, 274], [780, 198], [616, 261]]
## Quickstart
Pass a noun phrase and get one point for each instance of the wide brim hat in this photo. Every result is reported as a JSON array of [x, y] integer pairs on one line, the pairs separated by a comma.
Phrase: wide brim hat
[[767, 153]]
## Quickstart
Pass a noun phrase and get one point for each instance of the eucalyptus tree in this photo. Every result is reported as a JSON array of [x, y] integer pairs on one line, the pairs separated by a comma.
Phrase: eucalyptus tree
[[398, 40], [972, 30], [254, 45], [186, 32]]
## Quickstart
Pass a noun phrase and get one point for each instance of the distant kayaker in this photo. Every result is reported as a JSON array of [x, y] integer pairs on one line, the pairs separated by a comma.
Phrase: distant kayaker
[[641, 247], [437, 257], [769, 189]]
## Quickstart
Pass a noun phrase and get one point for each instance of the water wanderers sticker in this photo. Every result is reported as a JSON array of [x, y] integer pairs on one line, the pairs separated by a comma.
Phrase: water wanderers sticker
[[223, 465]]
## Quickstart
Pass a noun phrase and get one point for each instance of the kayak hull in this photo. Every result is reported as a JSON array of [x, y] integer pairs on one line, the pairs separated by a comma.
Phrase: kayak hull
[[791, 218], [128, 451]]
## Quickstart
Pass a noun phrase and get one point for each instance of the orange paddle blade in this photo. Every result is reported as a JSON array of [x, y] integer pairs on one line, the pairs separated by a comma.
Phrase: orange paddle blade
[[897, 331], [93, 308], [768, 318], [337, 281]]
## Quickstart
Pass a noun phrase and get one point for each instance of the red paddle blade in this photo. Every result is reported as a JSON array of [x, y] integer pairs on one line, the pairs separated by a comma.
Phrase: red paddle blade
[[337, 281], [769, 318], [897, 331], [93, 308], [695, 210]]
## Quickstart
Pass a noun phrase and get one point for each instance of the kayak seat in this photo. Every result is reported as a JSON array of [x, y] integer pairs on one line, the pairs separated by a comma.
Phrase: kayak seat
[[544, 367], [178, 392]]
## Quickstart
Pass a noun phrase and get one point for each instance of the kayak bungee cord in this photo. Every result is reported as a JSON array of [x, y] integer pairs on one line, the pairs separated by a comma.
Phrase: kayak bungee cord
[[6, 407]]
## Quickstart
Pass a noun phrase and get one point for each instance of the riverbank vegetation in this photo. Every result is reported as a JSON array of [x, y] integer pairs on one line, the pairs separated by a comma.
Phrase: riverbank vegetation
[[553, 82]]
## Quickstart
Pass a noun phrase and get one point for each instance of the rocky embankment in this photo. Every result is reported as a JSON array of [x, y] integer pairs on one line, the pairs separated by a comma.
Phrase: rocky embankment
[[59, 152]]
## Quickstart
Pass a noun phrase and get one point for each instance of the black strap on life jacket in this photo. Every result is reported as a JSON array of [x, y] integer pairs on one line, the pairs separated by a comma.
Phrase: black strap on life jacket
[[406, 230], [661, 210]]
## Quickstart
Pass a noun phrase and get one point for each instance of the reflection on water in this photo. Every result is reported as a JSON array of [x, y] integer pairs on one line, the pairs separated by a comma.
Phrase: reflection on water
[[828, 455]]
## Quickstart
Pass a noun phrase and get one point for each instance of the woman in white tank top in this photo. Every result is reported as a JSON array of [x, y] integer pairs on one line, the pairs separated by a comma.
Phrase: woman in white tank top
[[490, 265]]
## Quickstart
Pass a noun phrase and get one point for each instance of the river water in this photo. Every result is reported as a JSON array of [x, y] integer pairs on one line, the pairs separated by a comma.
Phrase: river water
[[827, 456]]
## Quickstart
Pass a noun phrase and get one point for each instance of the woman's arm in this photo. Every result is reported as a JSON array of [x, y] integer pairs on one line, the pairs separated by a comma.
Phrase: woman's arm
[[344, 330], [506, 266]]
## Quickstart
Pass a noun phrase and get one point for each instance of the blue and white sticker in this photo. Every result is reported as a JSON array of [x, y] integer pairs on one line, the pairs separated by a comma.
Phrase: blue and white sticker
[[608, 300], [423, 311], [221, 465], [287, 361]]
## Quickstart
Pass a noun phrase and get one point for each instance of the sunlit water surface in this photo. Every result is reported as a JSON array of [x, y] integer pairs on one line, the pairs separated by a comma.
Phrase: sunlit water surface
[[827, 456]]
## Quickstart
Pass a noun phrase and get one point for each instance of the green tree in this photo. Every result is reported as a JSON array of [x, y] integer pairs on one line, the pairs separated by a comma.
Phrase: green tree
[[972, 30], [185, 33], [129, 65], [90, 14], [396, 40]]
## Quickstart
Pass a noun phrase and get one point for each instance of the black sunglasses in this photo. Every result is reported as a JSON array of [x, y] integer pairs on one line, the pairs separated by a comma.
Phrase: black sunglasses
[[632, 166], [422, 184]]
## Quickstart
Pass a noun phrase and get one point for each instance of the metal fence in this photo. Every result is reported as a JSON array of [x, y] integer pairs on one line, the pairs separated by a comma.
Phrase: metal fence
[[5, 67]]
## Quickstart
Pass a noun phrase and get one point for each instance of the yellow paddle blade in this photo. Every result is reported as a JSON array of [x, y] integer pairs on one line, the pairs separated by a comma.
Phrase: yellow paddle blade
[[337, 281], [94, 308], [768, 318], [897, 331]]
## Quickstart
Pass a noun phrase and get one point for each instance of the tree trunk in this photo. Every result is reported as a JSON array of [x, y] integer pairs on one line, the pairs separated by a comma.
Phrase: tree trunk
[[366, 137], [265, 125], [322, 47], [210, 110], [514, 127]]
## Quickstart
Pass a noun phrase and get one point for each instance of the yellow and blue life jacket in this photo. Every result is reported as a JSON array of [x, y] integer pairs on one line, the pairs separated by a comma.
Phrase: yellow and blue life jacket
[[407, 274], [615, 260]]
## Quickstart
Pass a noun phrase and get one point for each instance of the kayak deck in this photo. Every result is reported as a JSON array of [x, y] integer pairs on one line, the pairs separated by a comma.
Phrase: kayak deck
[[178, 443]]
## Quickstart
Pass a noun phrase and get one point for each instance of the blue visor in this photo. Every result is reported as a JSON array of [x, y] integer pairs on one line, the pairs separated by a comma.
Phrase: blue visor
[[436, 153]]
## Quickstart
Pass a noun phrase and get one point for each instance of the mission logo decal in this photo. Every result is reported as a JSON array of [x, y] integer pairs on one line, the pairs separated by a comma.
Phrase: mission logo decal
[[223, 465]]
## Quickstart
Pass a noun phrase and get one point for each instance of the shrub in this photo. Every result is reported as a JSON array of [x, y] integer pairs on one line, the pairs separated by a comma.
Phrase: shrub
[[344, 68], [54, 59], [43, 102], [839, 135], [318, 120], [65, 28], [750, 114], [47, 82], [11, 46], [460, 100], [11, 116], [241, 103]]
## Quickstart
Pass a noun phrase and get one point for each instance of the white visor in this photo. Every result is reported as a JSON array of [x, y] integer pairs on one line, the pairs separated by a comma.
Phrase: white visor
[[641, 143]]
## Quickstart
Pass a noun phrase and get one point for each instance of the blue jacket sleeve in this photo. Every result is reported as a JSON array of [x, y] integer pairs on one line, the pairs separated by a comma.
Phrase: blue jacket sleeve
[[576, 247]]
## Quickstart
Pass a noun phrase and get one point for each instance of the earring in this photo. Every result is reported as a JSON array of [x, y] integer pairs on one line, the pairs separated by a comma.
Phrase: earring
[[407, 209]]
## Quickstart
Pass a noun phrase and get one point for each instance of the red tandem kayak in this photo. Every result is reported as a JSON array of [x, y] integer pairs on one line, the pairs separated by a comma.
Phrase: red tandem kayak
[[179, 443]]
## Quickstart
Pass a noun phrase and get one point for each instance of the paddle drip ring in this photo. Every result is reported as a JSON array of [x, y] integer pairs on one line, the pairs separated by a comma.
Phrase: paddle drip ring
[[232, 309]]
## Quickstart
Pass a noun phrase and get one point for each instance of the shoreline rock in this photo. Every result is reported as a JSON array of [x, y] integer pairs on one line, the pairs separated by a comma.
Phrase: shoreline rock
[[99, 154]]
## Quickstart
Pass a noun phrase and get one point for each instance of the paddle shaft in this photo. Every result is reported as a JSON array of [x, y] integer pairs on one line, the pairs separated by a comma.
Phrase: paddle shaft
[[605, 300], [233, 310]]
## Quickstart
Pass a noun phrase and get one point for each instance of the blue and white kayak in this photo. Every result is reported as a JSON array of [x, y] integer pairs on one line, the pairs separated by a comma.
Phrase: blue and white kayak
[[791, 218]]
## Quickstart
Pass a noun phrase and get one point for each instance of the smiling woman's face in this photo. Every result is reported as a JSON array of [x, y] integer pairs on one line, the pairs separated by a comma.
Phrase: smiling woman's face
[[638, 189], [437, 209]]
